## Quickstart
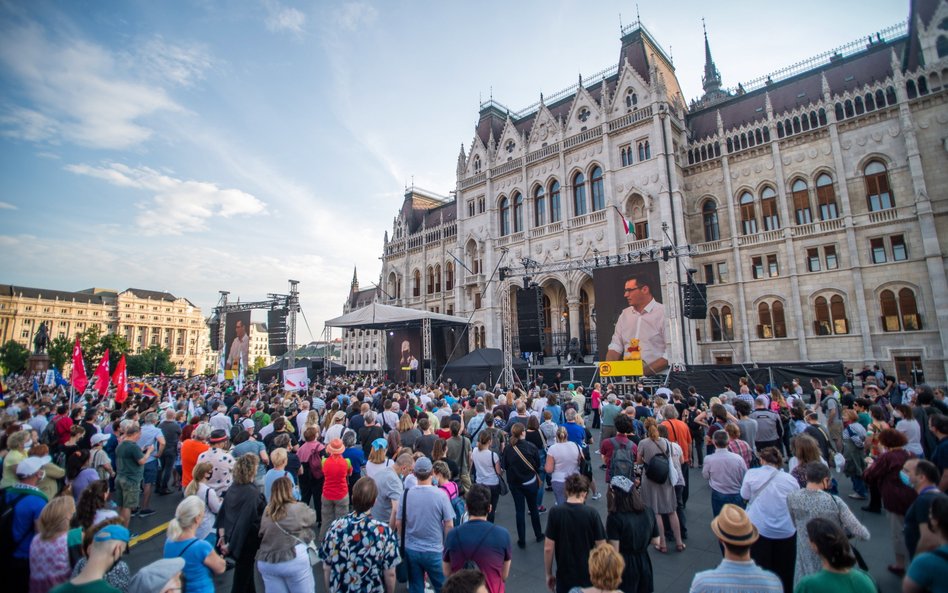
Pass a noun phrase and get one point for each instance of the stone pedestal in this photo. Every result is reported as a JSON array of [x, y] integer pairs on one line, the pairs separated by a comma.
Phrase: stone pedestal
[[38, 363]]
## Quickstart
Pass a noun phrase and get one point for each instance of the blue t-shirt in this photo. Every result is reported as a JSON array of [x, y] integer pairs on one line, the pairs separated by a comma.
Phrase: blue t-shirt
[[252, 447], [25, 514], [194, 551], [940, 455], [576, 433], [483, 543], [557, 413], [928, 570], [272, 476], [356, 457], [149, 436]]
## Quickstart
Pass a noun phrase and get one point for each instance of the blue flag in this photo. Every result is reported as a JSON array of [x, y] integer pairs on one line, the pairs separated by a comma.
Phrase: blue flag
[[36, 385], [59, 379]]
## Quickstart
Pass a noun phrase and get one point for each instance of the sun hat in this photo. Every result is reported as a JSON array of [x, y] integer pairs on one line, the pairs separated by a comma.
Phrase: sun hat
[[31, 465], [98, 437], [335, 447], [218, 435], [156, 575], [339, 415], [733, 526]]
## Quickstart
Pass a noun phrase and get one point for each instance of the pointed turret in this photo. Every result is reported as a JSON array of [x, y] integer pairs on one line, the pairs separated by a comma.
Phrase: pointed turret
[[462, 161], [355, 280], [711, 81]]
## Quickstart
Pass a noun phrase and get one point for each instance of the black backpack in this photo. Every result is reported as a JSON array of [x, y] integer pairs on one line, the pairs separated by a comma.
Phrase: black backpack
[[49, 436], [658, 466]]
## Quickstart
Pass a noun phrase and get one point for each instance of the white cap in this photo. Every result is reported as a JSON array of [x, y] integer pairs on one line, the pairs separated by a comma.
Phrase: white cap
[[99, 437], [31, 465]]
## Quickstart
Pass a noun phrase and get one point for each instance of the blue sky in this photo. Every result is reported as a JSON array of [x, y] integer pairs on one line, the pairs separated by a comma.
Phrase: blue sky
[[223, 144]]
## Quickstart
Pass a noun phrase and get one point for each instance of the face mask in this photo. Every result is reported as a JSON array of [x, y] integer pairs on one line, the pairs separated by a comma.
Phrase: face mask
[[434, 481], [905, 479], [27, 444], [897, 416]]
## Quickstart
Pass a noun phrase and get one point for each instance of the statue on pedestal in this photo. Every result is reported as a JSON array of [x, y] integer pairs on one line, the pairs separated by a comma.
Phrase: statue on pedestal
[[41, 341]]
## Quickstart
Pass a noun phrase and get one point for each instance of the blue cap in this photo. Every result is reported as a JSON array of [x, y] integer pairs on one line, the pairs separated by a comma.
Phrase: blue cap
[[110, 532], [379, 443]]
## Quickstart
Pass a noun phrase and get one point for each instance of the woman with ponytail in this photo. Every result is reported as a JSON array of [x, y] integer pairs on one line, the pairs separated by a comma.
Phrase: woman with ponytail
[[839, 573], [200, 559]]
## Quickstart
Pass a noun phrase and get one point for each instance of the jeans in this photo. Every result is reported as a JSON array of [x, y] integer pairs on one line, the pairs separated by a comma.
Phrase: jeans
[[419, 564], [525, 496], [697, 437], [859, 486], [167, 466], [680, 507], [292, 576], [332, 510], [559, 492], [718, 500]]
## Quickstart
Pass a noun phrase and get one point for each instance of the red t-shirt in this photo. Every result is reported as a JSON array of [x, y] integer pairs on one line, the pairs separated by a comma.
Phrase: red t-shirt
[[336, 469]]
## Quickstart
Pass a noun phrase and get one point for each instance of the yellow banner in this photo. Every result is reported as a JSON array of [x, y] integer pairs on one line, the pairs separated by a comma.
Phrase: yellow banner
[[621, 368]]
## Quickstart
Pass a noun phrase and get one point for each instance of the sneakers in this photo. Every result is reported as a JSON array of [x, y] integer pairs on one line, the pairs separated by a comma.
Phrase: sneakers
[[146, 513], [596, 496], [542, 509], [856, 496], [597, 451]]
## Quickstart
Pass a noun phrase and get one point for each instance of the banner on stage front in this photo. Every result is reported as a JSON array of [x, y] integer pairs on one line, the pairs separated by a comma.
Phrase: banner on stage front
[[621, 368], [294, 379]]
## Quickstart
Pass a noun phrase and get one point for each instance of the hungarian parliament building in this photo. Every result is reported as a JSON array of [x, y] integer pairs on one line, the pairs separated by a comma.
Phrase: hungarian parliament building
[[807, 201]]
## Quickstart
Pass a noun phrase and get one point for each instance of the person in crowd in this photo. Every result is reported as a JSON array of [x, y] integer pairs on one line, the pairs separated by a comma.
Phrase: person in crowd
[[244, 442], [812, 502], [927, 571], [79, 472], [102, 570], [201, 561], [161, 576], [26, 502], [562, 461], [378, 458], [906, 423], [738, 445], [938, 424], [572, 531], [769, 426], [737, 572], [458, 451], [130, 462], [407, 431], [522, 459], [94, 505], [193, 448], [53, 474], [678, 432], [18, 444], [423, 519], [606, 569], [222, 462], [724, 472], [879, 415], [49, 551], [355, 454], [805, 451], [838, 562], [922, 476], [660, 496], [467, 580], [279, 458], [854, 443], [285, 531], [311, 454], [212, 501], [100, 461], [150, 436], [238, 522], [883, 472], [487, 468], [595, 400], [480, 542], [171, 432], [630, 528], [766, 489], [358, 552], [388, 482], [336, 472]]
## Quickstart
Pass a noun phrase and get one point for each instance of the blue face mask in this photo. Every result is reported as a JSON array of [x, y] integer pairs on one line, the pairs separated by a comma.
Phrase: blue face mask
[[905, 479]]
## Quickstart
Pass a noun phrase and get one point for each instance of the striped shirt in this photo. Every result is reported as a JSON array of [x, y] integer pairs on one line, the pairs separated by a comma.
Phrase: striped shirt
[[736, 577]]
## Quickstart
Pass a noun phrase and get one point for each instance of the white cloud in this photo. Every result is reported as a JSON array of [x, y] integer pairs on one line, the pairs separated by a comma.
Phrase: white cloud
[[178, 206], [77, 91], [179, 64], [7, 206], [352, 15], [281, 18]]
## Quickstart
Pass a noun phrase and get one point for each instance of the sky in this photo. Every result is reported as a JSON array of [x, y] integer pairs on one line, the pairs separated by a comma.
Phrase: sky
[[206, 145]]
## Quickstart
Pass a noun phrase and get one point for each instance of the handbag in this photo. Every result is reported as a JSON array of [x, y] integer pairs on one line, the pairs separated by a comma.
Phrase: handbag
[[584, 469], [311, 550], [501, 482]]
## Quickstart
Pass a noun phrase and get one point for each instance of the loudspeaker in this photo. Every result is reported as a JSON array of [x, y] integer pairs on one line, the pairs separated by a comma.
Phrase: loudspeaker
[[530, 324], [215, 327], [276, 331], [694, 301]]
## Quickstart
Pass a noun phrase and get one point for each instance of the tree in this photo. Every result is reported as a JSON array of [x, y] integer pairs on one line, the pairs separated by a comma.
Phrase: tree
[[258, 363], [152, 361], [116, 345], [13, 357], [59, 351], [91, 342]]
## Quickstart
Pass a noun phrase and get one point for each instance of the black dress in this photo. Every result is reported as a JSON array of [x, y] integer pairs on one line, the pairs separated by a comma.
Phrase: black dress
[[634, 531], [239, 517]]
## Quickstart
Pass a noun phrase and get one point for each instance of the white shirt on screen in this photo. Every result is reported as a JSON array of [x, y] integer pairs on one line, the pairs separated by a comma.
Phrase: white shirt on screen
[[648, 327]]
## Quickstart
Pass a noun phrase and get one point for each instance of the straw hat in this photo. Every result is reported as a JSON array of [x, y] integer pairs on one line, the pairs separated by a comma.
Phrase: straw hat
[[335, 447], [733, 526]]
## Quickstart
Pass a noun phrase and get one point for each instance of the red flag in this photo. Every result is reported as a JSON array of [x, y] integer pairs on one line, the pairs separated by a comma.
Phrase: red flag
[[121, 381], [78, 377], [101, 375]]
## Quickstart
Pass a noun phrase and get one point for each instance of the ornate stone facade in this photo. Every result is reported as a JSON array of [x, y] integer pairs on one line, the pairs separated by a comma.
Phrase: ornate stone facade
[[813, 201]]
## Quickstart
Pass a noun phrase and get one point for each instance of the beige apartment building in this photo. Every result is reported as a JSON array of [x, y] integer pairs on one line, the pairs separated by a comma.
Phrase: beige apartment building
[[143, 317]]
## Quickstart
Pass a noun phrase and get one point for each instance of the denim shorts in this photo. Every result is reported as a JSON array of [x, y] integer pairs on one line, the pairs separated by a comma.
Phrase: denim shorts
[[151, 472]]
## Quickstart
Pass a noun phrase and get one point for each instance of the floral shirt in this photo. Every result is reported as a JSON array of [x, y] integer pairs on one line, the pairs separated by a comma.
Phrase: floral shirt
[[358, 550]]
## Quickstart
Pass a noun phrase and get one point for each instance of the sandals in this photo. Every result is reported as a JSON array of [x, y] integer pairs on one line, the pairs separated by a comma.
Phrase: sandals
[[662, 549], [681, 547]]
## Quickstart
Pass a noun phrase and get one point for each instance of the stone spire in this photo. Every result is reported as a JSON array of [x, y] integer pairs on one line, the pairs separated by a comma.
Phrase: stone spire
[[711, 81], [355, 280]]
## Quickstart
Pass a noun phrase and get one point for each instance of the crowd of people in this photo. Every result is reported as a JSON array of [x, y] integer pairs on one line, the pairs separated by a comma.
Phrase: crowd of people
[[364, 483]]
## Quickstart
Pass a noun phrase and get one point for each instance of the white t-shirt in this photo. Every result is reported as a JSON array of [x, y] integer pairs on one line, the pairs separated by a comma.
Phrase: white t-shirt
[[373, 469], [483, 460], [565, 460]]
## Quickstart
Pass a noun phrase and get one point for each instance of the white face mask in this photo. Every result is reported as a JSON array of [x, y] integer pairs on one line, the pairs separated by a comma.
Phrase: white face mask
[[27, 444]]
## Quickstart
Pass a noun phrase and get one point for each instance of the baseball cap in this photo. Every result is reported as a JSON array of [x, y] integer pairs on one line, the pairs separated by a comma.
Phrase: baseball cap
[[423, 465], [110, 532], [98, 437], [31, 465]]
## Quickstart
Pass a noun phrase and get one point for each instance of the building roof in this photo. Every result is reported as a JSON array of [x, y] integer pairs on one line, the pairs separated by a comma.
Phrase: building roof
[[46, 293], [423, 208], [362, 298]]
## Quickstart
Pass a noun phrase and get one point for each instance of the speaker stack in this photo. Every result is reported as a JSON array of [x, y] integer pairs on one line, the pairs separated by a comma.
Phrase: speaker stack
[[276, 331], [530, 324], [694, 300], [215, 328]]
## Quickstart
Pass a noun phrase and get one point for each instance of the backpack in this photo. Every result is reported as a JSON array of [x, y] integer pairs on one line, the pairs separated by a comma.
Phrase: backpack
[[622, 463], [50, 436], [497, 439], [457, 503], [315, 462], [7, 544], [659, 466]]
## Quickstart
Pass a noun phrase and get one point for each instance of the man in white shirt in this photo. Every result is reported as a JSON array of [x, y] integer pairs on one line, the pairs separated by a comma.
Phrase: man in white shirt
[[239, 348], [220, 420], [643, 319]]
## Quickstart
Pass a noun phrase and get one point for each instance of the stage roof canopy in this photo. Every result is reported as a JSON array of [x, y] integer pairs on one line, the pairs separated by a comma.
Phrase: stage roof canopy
[[379, 316]]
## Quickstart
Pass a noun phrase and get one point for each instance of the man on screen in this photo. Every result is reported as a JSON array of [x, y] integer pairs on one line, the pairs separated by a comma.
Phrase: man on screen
[[239, 348], [644, 319]]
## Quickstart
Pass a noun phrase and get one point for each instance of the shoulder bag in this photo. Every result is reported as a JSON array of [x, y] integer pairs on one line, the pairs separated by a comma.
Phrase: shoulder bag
[[311, 550], [527, 463], [502, 483]]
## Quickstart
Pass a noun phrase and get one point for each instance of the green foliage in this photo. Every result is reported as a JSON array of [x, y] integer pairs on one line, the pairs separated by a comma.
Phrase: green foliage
[[13, 357], [59, 351], [152, 361], [258, 363], [116, 345]]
